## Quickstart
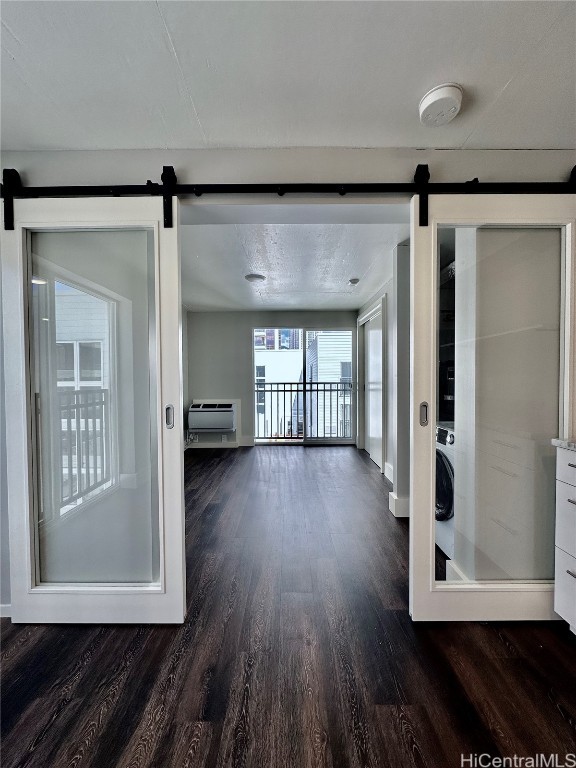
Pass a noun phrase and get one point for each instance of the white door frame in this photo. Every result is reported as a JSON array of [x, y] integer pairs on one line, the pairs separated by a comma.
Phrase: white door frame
[[429, 600], [163, 602], [376, 310]]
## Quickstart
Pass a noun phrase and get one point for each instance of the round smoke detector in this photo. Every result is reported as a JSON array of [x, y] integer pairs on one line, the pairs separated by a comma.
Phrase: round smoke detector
[[441, 105]]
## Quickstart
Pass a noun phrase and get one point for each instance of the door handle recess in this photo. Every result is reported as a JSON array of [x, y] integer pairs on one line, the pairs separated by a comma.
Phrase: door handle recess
[[169, 412], [571, 573], [423, 414]]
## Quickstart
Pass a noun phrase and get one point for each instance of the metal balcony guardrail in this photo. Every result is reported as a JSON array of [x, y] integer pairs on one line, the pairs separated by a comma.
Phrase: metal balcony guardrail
[[85, 442], [298, 410]]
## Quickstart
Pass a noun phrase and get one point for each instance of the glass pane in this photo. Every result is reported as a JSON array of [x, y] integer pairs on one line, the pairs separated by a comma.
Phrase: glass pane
[[278, 384], [90, 356], [65, 362], [92, 326], [498, 331], [329, 385]]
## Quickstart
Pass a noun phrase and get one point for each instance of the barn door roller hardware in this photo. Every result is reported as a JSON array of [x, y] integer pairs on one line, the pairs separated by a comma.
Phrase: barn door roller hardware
[[12, 187]]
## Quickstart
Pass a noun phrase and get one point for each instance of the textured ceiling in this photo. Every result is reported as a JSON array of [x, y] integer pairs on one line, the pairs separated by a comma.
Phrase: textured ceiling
[[307, 266], [144, 74]]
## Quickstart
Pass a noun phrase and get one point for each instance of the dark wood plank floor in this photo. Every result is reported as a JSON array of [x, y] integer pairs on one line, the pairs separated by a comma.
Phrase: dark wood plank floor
[[297, 648]]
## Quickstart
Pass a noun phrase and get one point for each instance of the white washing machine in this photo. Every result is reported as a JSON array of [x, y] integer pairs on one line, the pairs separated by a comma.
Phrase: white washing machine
[[444, 511]]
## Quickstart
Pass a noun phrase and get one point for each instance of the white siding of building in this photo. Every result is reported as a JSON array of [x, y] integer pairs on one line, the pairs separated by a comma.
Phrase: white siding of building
[[324, 355]]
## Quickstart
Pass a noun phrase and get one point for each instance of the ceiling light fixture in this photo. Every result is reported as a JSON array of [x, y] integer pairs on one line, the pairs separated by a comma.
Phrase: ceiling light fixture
[[253, 277], [440, 105], [354, 281]]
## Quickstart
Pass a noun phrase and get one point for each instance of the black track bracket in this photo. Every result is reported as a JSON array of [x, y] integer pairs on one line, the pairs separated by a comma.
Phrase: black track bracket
[[11, 186], [169, 184], [421, 179]]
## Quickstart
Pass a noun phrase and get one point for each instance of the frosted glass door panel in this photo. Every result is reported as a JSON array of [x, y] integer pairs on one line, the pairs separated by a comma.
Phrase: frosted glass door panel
[[499, 344], [93, 350]]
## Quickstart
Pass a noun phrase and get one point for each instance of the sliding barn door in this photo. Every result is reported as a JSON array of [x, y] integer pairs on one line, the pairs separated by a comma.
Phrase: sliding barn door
[[492, 383], [92, 319]]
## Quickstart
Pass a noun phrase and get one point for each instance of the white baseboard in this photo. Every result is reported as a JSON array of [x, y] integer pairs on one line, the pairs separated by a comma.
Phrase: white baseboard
[[399, 505], [5, 610], [389, 472], [242, 442], [212, 445]]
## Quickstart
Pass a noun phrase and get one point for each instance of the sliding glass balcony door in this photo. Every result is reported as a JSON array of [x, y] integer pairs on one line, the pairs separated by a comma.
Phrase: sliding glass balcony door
[[329, 386], [303, 385]]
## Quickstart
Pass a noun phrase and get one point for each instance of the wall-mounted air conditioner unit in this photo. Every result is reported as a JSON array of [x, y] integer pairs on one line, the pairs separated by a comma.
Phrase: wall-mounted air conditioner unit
[[212, 417]]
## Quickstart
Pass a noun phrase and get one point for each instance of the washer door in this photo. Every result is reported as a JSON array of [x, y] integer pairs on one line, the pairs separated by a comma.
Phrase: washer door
[[444, 487]]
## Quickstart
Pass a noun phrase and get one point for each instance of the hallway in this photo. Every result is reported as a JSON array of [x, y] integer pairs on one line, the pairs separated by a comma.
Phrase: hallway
[[297, 648]]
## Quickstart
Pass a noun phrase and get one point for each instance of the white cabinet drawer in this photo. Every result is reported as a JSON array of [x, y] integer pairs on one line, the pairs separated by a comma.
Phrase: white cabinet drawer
[[566, 517], [566, 466], [565, 587]]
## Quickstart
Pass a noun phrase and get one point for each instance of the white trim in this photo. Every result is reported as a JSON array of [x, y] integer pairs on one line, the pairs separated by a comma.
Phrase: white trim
[[388, 471], [97, 588], [5, 610], [372, 312], [469, 601], [399, 505], [378, 310], [227, 444], [360, 388]]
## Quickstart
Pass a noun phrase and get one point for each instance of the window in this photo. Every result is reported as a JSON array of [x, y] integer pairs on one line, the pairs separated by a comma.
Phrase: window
[[346, 372], [259, 338], [79, 364], [65, 363], [260, 380], [270, 338], [90, 356], [289, 338]]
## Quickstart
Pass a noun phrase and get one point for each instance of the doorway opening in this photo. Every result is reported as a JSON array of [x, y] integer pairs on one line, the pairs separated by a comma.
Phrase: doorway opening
[[303, 386]]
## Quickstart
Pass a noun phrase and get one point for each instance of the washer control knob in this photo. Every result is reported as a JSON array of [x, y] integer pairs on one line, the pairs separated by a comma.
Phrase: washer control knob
[[450, 439]]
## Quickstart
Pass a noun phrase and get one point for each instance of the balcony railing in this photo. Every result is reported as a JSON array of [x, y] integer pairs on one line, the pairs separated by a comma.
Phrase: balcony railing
[[85, 442], [294, 411]]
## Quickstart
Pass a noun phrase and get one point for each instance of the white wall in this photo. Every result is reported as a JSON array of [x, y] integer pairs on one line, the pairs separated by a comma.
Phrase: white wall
[[220, 352], [400, 427], [397, 374], [313, 164]]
